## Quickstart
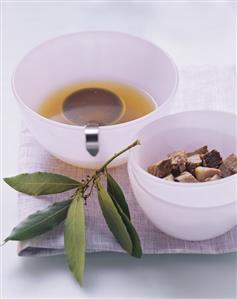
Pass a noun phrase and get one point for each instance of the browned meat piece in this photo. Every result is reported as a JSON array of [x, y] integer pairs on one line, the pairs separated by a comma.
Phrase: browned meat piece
[[152, 169], [197, 166], [161, 168], [212, 159], [229, 166], [186, 177], [202, 173], [178, 162], [193, 162], [213, 178], [200, 151], [169, 177]]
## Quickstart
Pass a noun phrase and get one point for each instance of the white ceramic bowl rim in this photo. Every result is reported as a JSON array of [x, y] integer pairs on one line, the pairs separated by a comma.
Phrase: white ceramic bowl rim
[[186, 203], [110, 127], [172, 203], [175, 184]]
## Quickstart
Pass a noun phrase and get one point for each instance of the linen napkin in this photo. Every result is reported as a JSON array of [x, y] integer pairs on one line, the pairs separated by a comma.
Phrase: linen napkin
[[199, 88]]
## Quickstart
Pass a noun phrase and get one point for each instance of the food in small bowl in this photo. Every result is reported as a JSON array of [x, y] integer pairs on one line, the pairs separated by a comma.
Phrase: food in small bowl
[[200, 165], [63, 73], [189, 211]]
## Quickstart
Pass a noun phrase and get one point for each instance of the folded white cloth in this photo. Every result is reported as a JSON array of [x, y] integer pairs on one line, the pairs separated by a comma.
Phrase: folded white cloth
[[199, 88]]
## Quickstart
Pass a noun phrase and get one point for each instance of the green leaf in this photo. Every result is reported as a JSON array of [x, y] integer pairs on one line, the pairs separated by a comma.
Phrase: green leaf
[[117, 195], [113, 218], [74, 238], [137, 249], [40, 222], [118, 198], [41, 183]]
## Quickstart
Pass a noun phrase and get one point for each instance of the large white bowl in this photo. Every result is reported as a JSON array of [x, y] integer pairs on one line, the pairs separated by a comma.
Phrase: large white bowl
[[190, 211], [87, 56]]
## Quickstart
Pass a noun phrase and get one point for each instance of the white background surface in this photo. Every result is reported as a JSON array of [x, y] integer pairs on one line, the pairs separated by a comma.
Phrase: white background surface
[[193, 33]]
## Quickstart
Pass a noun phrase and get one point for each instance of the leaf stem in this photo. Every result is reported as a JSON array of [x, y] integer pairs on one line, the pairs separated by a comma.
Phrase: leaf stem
[[102, 168]]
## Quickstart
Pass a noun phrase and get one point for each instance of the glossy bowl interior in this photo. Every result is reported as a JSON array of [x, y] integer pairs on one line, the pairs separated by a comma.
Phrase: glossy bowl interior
[[200, 203], [86, 56]]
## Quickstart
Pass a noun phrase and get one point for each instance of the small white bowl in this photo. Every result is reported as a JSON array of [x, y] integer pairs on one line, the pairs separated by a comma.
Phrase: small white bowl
[[190, 211], [87, 56]]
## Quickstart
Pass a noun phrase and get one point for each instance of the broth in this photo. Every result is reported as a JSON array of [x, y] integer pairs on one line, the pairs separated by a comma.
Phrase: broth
[[102, 102]]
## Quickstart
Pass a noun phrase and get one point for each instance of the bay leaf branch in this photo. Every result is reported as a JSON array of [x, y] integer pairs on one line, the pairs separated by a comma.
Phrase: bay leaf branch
[[117, 195], [137, 249], [113, 218], [41, 183], [74, 238], [40, 222]]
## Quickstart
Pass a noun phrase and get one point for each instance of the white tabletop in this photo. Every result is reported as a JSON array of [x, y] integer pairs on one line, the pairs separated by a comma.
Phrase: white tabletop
[[194, 33]]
